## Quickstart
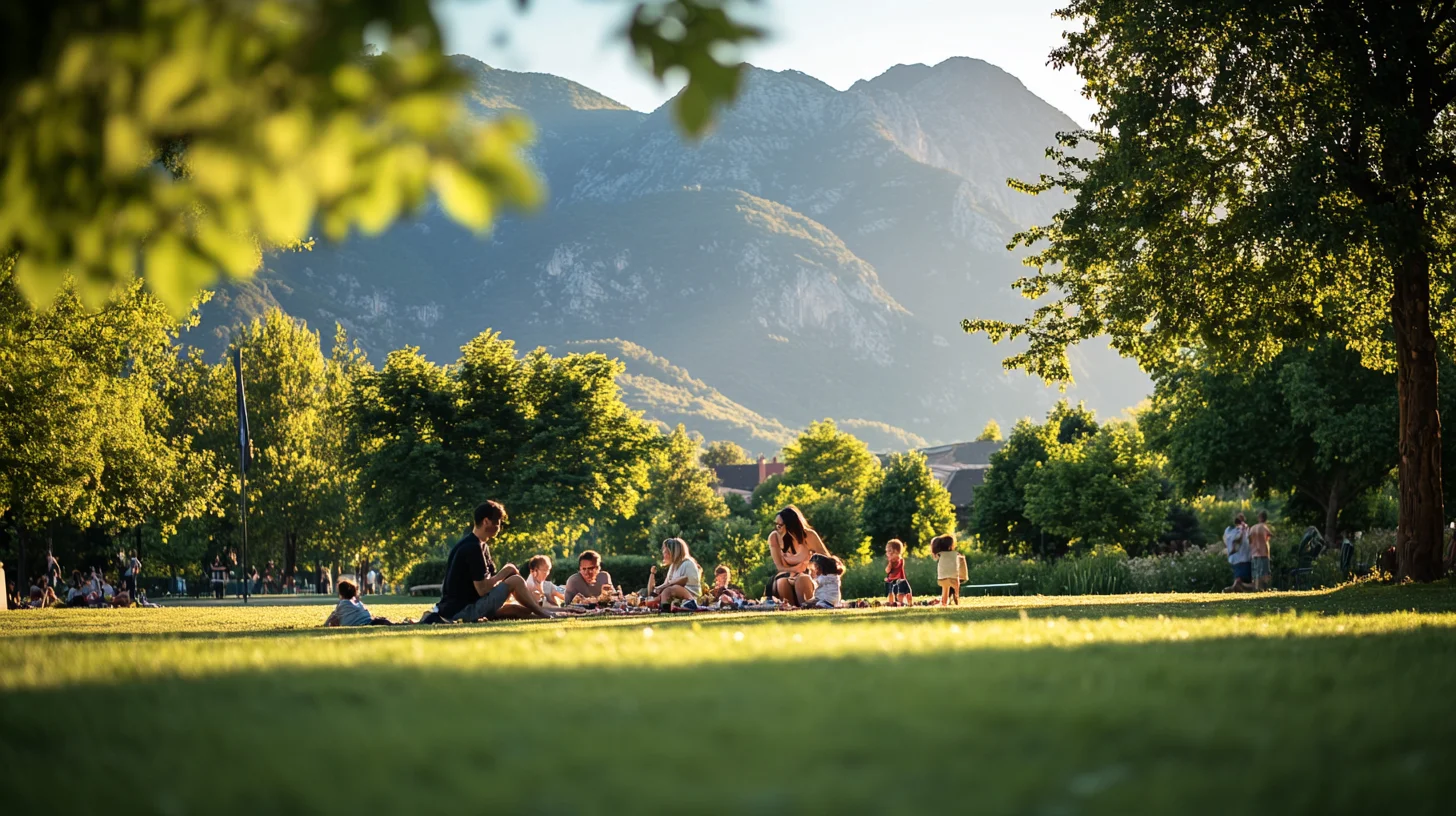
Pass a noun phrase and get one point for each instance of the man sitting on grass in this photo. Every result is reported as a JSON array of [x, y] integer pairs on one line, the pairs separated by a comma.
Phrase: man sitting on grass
[[473, 589], [590, 579]]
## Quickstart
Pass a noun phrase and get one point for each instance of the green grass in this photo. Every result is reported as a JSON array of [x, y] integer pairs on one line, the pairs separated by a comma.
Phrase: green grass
[[1317, 702]]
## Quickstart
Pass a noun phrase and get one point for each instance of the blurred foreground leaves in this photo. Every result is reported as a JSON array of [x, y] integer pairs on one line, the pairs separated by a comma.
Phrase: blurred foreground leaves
[[183, 137]]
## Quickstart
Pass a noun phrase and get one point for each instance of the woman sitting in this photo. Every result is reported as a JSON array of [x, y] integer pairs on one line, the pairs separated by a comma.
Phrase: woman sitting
[[684, 581], [792, 543]]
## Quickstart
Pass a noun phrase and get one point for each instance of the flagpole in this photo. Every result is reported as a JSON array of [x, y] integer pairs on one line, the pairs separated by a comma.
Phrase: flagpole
[[244, 497], [243, 442]]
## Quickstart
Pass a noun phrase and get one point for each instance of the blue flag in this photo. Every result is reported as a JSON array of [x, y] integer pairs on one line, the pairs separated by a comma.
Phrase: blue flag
[[246, 455]]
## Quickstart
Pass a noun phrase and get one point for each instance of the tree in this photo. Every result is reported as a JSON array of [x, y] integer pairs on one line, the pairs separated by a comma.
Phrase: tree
[[908, 504], [724, 453], [998, 514], [1263, 174], [270, 118], [585, 452], [827, 458], [1101, 489], [680, 501], [402, 422], [550, 437], [86, 436], [1312, 423], [286, 381], [990, 433]]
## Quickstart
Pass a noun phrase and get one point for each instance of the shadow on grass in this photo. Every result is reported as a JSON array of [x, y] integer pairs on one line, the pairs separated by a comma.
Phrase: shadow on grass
[[1107, 728]]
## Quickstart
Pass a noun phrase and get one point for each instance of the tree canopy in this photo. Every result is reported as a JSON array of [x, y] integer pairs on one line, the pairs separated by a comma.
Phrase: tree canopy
[[1312, 424], [830, 459], [909, 504], [175, 138], [1260, 175], [723, 453]]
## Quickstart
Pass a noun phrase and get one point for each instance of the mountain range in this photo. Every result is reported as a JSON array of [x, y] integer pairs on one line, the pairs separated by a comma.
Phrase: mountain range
[[813, 257]]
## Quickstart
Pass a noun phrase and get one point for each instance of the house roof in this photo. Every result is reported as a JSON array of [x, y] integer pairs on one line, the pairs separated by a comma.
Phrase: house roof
[[963, 481], [962, 453], [737, 477]]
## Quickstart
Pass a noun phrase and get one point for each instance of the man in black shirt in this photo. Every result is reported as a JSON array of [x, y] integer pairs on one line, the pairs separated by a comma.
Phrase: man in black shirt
[[473, 589]]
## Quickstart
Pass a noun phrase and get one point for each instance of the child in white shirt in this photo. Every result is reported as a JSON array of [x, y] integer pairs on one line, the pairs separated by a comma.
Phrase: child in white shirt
[[825, 570], [538, 575]]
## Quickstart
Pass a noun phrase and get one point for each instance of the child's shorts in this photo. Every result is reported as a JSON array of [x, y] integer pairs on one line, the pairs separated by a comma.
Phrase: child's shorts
[[899, 586]]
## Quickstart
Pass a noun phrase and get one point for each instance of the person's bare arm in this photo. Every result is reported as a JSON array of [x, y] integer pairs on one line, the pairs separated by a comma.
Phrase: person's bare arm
[[776, 551], [487, 584]]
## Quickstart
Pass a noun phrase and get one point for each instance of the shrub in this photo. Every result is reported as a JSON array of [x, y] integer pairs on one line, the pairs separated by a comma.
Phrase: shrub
[[1104, 572], [1197, 569], [428, 571]]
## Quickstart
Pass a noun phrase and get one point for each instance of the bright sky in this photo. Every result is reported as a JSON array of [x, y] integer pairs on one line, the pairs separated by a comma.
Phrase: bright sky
[[837, 41]]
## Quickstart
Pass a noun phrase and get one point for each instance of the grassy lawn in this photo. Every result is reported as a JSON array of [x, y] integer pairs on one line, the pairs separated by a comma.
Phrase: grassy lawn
[[1340, 701]]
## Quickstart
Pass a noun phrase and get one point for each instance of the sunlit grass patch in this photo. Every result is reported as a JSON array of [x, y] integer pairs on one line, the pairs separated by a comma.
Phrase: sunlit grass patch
[[1094, 704]]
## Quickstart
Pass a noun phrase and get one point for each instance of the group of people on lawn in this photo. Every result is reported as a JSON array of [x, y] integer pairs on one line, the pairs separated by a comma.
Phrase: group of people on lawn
[[88, 588], [475, 589]]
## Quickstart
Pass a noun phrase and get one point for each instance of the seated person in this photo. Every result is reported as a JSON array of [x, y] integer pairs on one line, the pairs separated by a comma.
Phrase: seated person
[[590, 579], [473, 589], [42, 596], [349, 611], [684, 580], [723, 585], [825, 570], [538, 575], [78, 594]]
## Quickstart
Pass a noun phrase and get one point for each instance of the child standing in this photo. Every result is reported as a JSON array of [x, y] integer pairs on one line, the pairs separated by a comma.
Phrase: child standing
[[825, 570], [897, 588], [950, 568]]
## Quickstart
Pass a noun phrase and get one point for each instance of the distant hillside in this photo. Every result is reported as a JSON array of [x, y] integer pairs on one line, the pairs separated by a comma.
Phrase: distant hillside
[[812, 258], [670, 395]]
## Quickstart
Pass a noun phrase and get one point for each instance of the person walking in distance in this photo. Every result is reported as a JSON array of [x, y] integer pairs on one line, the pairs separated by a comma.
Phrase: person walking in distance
[[1236, 547], [1259, 536]]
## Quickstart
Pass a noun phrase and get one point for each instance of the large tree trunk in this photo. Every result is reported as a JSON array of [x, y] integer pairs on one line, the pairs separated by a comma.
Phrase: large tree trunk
[[290, 553], [1332, 517], [1418, 537]]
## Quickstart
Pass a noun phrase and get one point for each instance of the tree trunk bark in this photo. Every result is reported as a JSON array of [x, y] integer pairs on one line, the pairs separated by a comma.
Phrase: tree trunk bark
[[290, 553], [24, 568], [1418, 536], [1332, 518]]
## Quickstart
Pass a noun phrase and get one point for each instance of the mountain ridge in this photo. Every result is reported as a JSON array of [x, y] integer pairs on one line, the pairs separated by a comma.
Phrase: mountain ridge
[[811, 257]]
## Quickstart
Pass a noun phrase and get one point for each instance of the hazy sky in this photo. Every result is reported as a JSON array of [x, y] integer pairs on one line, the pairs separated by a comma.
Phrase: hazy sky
[[837, 41]]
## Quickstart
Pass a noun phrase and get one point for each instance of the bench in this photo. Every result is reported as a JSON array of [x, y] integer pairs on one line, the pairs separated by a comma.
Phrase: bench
[[987, 589], [425, 589]]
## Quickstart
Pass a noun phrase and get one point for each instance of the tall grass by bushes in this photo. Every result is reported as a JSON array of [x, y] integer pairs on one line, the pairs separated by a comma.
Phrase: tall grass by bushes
[[1111, 571]]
